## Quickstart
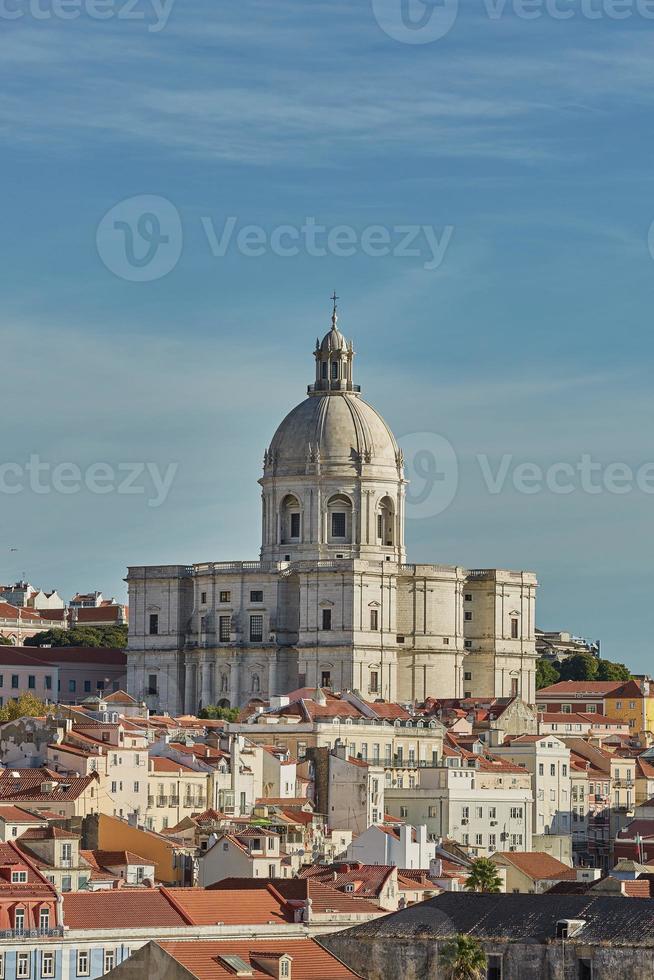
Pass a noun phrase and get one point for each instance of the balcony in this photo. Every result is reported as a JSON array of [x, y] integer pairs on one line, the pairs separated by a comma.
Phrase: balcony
[[174, 800], [162, 801], [31, 933]]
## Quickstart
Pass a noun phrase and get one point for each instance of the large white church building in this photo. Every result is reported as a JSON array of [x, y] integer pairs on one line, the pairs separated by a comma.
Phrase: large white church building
[[332, 600]]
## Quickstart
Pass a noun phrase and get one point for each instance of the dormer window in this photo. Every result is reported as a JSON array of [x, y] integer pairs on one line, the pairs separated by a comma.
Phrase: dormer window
[[19, 877]]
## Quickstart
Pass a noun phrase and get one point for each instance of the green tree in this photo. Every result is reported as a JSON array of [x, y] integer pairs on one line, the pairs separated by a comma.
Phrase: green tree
[[221, 714], [81, 636], [609, 671], [25, 706], [546, 673], [484, 877], [464, 959], [5, 642], [580, 667]]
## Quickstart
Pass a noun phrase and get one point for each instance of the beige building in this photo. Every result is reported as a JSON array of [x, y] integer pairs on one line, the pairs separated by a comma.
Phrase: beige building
[[332, 600], [175, 790]]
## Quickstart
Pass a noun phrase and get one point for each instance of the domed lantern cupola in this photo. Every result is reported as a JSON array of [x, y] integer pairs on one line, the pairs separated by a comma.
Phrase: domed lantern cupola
[[333, 479], [334, 357]]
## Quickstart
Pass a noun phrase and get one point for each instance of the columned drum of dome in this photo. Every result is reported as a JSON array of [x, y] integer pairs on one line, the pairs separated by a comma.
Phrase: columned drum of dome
[[333, 482]]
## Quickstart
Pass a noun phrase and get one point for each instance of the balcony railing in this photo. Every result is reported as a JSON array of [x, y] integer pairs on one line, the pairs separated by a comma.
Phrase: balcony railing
[[31, 933], [162, 801]]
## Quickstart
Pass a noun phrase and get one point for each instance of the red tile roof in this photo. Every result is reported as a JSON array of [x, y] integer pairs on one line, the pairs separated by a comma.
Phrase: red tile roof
[[310, 961], [234, 901], [591, 688], [368, 879], [108, 656], [27, 786], [120, 908], [160, 764], [538, 866], [118, 859], [18, 814]]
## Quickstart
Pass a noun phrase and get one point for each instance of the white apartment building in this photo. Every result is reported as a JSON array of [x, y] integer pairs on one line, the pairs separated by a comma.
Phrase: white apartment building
[[485, 812], [547, 758], [356, 793], [403, 846]]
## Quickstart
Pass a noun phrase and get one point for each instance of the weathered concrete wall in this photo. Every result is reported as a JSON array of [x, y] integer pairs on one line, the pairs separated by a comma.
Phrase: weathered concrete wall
[[419, 959]]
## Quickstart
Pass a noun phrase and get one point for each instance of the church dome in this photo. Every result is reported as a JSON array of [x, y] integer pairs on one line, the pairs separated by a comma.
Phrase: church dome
[[334, 430]]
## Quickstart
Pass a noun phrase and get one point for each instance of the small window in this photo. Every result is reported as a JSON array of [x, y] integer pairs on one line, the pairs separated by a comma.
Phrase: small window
[[404, 812], [48, 682], [334, 370], [19, 876], [225, 596], [82, 963], [494, 968], [295, 525], [203, 598], [467, 676], [256, 629], [467, 644], [154, 624], [47, 964], [152, 689], [327, 619], [468, 616], [23, 965], [374, 682], [374, 619], [326, 678], [468, 597], [31, 681], [224, 628], [338, 524], [72, 686], [514, 629], [109, 960], [256, 595], [87, 687], [14, 680]]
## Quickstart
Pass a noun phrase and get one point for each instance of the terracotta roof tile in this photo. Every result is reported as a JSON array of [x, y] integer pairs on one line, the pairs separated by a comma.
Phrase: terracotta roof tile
[[538, 865], [310, 961], [120, 909]]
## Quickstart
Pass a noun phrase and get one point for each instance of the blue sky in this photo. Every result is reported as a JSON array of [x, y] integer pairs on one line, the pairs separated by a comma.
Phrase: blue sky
[[529, 139]]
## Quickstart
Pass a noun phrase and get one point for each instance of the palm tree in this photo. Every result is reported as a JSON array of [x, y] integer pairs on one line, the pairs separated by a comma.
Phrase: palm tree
[[484, 877], [464, 959]]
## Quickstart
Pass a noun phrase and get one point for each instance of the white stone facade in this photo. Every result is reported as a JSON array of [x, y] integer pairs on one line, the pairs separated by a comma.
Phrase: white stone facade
[[332, 602]]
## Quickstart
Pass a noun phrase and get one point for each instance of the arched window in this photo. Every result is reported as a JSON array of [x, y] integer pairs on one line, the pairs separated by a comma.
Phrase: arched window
[[386, 522], [289, 519], [339, 519]]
